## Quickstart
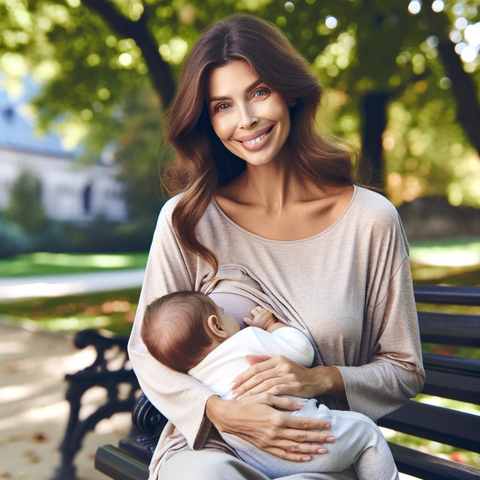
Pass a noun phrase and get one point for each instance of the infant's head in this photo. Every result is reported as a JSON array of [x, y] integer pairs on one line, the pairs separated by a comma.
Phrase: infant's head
[[180, 329]]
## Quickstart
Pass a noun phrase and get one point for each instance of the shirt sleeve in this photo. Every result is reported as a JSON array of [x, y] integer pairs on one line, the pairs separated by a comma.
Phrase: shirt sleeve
[[393, 373], [178, 396]]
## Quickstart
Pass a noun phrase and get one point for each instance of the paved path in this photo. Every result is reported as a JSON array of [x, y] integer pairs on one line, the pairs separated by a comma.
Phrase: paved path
[[60, 285], [33, 409]]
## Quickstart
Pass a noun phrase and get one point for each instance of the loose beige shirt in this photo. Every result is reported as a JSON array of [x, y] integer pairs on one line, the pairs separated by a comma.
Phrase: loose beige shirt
[[348, 288]]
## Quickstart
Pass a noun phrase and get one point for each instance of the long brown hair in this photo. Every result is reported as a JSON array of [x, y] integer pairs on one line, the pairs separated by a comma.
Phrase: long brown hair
[[202, 162]]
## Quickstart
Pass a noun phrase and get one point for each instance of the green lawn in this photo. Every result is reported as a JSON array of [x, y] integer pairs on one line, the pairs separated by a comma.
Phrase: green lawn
[[452, 261], [61, 263], [113, 311]]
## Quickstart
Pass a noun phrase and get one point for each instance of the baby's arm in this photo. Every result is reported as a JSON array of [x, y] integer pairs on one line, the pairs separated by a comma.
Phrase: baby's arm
[[264, 319]]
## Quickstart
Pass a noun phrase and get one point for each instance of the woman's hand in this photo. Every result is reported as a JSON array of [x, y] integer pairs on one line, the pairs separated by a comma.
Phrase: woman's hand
[[280, 376], [256, 420]]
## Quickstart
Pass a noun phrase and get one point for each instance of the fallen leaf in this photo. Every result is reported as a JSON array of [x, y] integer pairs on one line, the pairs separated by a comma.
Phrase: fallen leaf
[[39, 437], [11, 367]]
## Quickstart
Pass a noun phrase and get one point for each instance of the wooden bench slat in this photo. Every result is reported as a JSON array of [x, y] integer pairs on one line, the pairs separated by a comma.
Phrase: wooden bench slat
[[119, 465], [447, 295], [449, 329], [430, 467], [452, 377], [439, 424], [459, 365], [455, 387]]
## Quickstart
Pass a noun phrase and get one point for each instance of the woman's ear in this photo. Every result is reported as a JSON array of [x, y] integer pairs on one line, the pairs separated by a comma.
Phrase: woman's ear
[[292, 102], [215, 326]]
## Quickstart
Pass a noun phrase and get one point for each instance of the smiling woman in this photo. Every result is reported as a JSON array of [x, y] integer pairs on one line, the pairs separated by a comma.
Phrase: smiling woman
[[270, 211]]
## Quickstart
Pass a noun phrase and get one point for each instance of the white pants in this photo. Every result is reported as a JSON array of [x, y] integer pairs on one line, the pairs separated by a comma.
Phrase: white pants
[[358, 442]]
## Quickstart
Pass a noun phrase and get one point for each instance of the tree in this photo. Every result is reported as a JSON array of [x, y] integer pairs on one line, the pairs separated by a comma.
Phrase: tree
[[25, 206], [368, 53]]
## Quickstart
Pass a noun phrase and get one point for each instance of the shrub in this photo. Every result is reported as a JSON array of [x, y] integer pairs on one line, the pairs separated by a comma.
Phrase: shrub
[[13, 239]]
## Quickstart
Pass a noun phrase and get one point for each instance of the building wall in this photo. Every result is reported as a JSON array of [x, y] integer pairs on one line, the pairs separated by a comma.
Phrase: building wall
[[69, 192]]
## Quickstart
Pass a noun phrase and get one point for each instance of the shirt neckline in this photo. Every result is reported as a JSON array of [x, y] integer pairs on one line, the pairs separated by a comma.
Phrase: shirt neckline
[[301, 240]]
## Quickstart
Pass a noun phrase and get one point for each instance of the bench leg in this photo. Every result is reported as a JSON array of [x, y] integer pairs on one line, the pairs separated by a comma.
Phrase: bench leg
[[97, 375]]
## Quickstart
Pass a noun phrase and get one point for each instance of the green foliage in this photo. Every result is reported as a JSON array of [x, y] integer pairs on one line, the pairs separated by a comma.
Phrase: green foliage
[[354, 46], [140, 153], [13, 240], [25, 207]]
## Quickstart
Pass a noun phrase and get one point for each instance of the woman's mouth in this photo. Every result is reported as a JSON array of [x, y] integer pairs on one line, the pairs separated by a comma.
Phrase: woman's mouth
[[259, 142]]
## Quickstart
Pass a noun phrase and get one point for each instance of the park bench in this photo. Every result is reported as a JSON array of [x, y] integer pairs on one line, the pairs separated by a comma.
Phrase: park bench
[[448, 377]]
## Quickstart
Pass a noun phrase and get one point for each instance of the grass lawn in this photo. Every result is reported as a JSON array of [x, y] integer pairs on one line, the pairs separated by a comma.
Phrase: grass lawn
[[113, 311], [455, 262], [41, 263]]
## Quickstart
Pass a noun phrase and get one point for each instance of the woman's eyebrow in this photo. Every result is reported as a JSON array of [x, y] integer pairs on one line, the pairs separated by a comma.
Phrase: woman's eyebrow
[[247, 90]]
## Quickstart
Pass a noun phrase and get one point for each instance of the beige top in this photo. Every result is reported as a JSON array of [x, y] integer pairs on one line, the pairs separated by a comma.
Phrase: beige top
[[348, 288]]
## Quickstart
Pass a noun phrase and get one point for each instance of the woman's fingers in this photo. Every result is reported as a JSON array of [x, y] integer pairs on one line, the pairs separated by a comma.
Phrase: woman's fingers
[[275, 386], [300, 448], [294, 455], [250, 374]]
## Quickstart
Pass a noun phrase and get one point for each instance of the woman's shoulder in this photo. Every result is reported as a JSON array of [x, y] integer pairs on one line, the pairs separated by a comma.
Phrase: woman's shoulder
[[375, 207], [169, 206]]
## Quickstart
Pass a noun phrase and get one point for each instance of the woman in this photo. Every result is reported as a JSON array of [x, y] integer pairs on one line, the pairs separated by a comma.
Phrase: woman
[[267, 198]]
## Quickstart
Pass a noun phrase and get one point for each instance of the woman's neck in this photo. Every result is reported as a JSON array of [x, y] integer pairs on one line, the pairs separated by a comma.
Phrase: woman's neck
[[274, 186]]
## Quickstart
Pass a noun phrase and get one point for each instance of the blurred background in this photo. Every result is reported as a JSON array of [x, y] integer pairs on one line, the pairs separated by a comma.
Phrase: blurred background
[[83, 84]]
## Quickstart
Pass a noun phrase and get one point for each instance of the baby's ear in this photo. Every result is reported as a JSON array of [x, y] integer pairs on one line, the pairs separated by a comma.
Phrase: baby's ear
[[215, 327]]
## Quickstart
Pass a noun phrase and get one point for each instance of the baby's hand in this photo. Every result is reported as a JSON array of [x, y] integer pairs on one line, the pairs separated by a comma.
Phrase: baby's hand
[[262, 318]]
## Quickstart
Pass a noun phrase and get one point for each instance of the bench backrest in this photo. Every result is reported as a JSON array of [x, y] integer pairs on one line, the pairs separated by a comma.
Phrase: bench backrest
[[451, 377]]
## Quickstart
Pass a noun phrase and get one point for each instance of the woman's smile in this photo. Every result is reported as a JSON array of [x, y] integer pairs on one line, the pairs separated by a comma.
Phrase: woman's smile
[[257, 143]]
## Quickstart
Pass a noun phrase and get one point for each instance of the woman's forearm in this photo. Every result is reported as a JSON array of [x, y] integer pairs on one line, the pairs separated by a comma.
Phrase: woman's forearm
[[215, 413], [329, 381]]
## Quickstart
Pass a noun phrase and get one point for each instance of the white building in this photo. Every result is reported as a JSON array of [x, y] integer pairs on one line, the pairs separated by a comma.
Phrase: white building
[[69, 192]]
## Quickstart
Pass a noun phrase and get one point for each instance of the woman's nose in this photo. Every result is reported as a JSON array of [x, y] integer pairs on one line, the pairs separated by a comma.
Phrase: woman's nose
[[247, 117]]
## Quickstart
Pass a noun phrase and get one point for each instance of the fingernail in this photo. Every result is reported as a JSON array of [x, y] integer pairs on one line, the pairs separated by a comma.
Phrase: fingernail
[[306, 459], [331, 439], [328, 425], [232, 385], [322, 450], [299, 404], [234, 396]]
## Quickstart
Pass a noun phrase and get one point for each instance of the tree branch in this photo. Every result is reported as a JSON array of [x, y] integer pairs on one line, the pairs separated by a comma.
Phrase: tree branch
[[159, 70]]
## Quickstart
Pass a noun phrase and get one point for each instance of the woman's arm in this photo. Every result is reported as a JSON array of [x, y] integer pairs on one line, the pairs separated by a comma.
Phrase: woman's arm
[[392, 375], [169, 269]]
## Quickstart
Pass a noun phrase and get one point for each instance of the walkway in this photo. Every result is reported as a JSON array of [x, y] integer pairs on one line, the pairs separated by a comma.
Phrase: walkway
[[33, 409], [60, 285]]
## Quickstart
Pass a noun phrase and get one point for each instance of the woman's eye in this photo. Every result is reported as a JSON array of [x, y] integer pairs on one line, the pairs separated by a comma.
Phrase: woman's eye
[[218, 107], [261, 90]]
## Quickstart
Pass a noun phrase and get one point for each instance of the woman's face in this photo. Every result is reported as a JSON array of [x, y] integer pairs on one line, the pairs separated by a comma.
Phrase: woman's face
[[250, 119]]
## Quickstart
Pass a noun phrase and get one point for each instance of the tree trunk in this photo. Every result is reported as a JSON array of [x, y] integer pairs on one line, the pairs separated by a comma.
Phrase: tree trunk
[[374, 121], [465, 92]]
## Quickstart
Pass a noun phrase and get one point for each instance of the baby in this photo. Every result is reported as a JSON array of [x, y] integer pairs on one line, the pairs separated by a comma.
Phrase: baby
[[189, 333]]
